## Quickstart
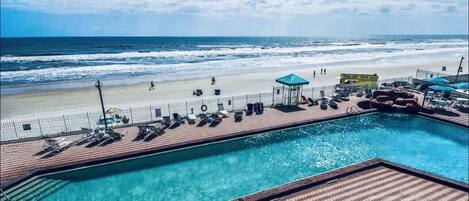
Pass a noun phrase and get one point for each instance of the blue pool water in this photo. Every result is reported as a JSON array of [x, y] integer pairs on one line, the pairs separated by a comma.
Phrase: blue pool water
[[231, 169]]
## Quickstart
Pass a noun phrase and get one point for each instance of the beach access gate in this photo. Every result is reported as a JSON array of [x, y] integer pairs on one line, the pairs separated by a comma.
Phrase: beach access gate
[[291, 90]]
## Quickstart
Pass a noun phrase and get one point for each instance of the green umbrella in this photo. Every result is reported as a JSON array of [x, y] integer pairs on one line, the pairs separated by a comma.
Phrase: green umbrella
[[438, 80], [441, 88], [461, 85], [112, 110]]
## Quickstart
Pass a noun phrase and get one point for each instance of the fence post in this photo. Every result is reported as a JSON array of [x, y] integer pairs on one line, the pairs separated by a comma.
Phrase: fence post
[[169, 110], [260, 97], [151, 116], [186, 108], [273, 96], [246, 99], [65, 123], [39, 124], [89, 123], [218, 101], [232, 103], [131, 116], [16, 132]]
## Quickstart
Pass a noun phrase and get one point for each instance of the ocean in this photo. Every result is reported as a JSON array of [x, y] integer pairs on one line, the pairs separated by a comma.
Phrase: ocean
[[70, 62]]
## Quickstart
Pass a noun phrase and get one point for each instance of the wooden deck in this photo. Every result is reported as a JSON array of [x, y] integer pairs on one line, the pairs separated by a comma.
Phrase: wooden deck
[[23, 159], [371, 180]]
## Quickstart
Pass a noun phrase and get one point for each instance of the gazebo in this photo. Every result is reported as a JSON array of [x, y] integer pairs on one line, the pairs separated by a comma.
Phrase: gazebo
[[292, 93]]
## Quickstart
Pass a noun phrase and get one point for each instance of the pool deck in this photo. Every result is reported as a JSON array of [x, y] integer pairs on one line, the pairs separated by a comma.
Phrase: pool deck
[[21, 160], [375, 179], [24, 159]]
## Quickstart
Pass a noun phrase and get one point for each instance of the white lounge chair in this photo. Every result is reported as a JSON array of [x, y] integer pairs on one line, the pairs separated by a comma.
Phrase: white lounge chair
[[323, 95], [191, 118], [158, 116], [221, 110], [57, 144]]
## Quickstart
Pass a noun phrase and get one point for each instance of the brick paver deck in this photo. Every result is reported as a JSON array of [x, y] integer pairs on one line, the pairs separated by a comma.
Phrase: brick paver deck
[[23, 159], [20, 160], [371, 180]]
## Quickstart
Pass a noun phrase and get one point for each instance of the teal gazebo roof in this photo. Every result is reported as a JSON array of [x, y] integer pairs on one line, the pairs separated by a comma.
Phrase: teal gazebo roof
[[292, 80]]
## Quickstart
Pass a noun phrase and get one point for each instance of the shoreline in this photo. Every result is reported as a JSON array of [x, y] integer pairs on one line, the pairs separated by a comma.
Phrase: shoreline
[[69, 101]]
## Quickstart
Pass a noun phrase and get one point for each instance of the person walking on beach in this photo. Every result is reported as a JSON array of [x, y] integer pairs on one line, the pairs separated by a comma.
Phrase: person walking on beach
[[314, 73], [152, 86], [321, 71], [324, 71], [213, 80]]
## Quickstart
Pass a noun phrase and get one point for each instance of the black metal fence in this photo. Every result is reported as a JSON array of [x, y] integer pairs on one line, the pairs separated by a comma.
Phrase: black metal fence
[[424, 74], [62, 125]]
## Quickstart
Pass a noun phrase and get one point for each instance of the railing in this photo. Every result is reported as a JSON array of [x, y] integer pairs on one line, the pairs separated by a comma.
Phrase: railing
[[67, 124], [4, 194], [424, 74], [352, 110]]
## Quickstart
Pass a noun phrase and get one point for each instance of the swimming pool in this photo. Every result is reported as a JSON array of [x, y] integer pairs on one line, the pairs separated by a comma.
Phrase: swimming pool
[[230, 169]]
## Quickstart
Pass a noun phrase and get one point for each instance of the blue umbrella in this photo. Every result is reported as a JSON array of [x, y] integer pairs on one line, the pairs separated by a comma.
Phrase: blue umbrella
[[461, 85], [437, 80], [441, 88]]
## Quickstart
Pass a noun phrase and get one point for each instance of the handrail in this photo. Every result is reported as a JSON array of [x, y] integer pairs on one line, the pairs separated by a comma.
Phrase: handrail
[[352, 110], [357, 110], [4, 194]]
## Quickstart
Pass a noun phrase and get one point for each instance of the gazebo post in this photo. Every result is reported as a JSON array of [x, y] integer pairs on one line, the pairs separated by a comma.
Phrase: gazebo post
[[283, 94]]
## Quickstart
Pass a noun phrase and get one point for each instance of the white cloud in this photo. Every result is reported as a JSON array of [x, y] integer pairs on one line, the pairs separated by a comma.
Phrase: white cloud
[[262, 8]]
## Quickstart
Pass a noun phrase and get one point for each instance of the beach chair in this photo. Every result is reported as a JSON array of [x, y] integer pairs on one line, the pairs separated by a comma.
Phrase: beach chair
[[144, 131], [88, 134], [221, 110], [191, 118], [324, 103], [238, 116], [216, 119], [110, 135], [158, 116], [344, 95], [177, 119], [249, 108], [312, 102], [360, 93], [166, 121], [332, 104], [323, 95], [204, 118], [57, 144], [259, 107]]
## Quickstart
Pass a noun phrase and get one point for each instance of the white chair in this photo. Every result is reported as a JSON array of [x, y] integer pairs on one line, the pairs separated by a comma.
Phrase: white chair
[[191, 118], [221, 110], [57, 144], [158, 116]]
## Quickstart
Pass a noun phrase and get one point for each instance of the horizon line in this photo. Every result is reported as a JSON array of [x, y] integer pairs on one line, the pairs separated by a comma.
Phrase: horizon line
[[227, 36]]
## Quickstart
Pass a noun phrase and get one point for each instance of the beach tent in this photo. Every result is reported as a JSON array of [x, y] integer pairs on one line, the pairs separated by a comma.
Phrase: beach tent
[[113, 110], [294, 88], [437, 80], [441, 88], [461, 85]]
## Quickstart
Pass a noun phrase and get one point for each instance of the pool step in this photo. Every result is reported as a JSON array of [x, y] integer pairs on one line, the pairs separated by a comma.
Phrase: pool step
[[34, 190]]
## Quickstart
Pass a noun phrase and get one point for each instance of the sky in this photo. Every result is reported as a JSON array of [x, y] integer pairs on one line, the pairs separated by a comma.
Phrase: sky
[[23, 18]]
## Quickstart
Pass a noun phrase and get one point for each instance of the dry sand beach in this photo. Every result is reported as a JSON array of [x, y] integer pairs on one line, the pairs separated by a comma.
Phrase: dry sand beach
[[52, 103]]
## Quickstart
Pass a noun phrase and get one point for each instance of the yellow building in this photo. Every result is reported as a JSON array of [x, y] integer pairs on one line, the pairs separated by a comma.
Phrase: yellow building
[[360, 80]]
